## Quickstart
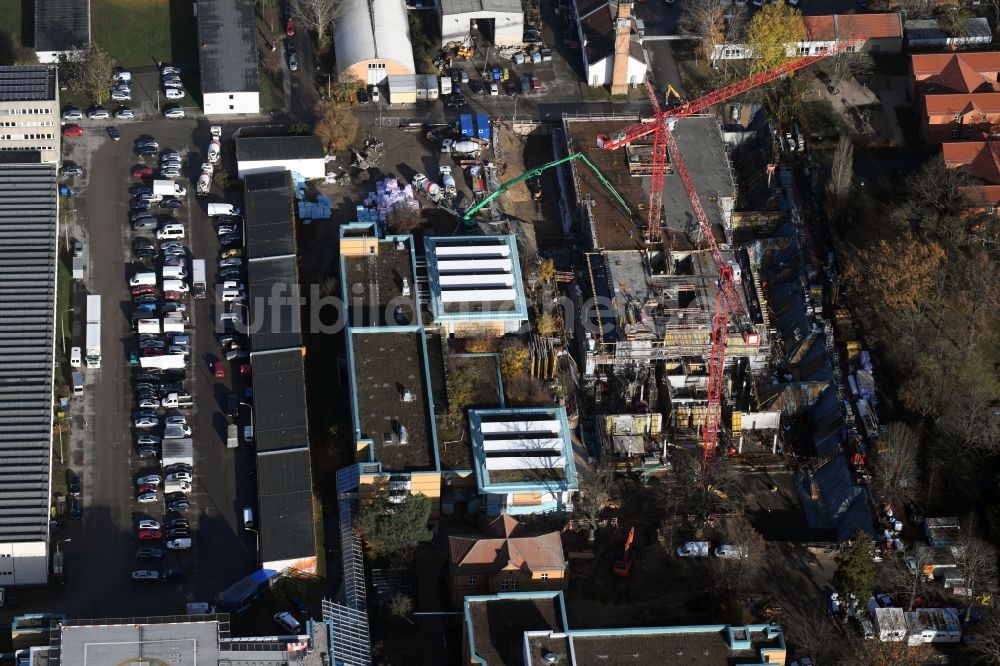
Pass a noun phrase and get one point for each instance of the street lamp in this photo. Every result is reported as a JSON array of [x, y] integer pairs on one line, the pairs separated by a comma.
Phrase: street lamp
[[64, 331], [328, 86], [256, 536]]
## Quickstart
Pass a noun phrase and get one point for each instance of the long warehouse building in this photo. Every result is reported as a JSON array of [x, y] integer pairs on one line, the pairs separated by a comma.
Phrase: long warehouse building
[[284, 475], [28, 233]]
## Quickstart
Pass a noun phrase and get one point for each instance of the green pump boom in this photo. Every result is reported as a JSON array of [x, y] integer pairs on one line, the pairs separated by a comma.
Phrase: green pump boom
[[537, 171]]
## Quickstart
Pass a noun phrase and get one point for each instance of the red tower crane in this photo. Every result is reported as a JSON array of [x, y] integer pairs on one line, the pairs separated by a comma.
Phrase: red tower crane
[[727, 300]]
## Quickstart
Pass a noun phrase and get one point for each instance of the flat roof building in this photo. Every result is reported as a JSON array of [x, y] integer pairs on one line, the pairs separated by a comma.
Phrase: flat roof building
[[300, 154], [370, 48], [227, 52], [501, 22], [475, 284], [531, 629], [185, 639], [29, 215], [284, 476], [60, 26], [523, 459], [29, 113]]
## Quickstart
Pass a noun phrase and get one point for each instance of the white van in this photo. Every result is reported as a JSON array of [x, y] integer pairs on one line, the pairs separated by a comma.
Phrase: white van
[[142, 279], [247, 517], [174, 273], [216, 209], [77, 383], [148, 326], [75, 357], [175, 285], [170, 231], [179, 544], [694, 549]]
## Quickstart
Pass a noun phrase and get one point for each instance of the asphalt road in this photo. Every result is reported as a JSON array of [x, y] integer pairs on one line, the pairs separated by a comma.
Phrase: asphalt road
[[100, 555]]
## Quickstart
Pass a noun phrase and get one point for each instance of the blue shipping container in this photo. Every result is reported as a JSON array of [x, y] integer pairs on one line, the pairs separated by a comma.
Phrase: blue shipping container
[[483, 126], [466, 121]]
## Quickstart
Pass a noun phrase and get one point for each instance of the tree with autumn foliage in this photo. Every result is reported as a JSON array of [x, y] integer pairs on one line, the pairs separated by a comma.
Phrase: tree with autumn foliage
[[773, 36]]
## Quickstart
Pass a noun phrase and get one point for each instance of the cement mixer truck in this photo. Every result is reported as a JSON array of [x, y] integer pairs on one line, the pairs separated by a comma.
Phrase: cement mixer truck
[[466, 148], [424, 185], [448, 181], [205, 179], [215, 147]]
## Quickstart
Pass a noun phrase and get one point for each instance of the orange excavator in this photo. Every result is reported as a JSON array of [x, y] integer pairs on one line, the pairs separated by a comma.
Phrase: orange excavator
[[623, 565]]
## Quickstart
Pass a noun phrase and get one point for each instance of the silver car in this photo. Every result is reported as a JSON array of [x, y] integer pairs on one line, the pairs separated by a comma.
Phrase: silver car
[[99, 114], [173, 113], [124, 113], [72, 113]]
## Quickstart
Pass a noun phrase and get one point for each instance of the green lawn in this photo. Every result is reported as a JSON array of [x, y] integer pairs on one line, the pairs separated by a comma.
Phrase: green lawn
[[144, 32], [10, 16]]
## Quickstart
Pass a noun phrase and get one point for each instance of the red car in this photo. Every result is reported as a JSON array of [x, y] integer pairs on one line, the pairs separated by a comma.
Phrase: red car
[[153, 351], [72, 130], [172, 295], [219, 369], [290, 28], [147, 488], [143, 289], [150, 535], [142, 172]]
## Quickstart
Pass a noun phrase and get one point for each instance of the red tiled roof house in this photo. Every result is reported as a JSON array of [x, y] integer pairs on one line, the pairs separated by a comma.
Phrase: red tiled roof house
[[957, 95]]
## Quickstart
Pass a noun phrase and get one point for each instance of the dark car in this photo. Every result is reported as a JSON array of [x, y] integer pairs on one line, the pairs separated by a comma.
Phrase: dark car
[[72, 483], [172, 574], [454, 101], [148, 451], [146, 151], [171, 203], [232, 406], [363, 97], [137, 190], [148, 554], [113, 133], [75, 509], [477, 87], [138, 206], [231, 239]]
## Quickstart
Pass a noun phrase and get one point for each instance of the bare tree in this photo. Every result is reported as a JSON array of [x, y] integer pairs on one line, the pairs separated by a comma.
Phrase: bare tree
[[838, 188], [987, 645], [740, 574], [894, 466], [976, 565], [857, 64], [596, 483], [916, 9], [400, 606], [714, 22], [907, 576], [87, 71], [318, 16]]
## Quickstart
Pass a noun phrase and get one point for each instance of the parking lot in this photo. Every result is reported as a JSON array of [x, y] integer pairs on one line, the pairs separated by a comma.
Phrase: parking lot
[[100, 550]]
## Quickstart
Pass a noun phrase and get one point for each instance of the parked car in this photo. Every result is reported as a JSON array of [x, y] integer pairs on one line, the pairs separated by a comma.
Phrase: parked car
[[124, 113], [729, 552], [147, 142], [289, 28], [75, 509], [174, 93], [146, 575], [141, 171], [146, 421], [172, 574], [150, 535], [293, 62], [694, 549], [180, 476], [147, 498], [173, 112], [148, 554], [73, 486], [148, 524], [180, 505], [72, 131], [98, 113], [170, 69], [72, 113], [287, 622], [171, 203], [147, 488], [149, 479], [113, 133], [219, 369], [70, 169]]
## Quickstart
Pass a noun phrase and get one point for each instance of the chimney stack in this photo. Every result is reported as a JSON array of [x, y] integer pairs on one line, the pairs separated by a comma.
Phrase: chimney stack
[[623, 39]]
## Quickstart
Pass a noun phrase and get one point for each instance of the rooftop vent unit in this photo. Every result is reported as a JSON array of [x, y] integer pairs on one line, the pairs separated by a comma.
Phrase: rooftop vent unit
[[406, 395]]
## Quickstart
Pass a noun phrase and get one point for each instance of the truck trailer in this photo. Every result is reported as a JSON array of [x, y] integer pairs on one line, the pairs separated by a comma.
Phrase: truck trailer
[[93, 354], [177, 451], [198, 284]]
